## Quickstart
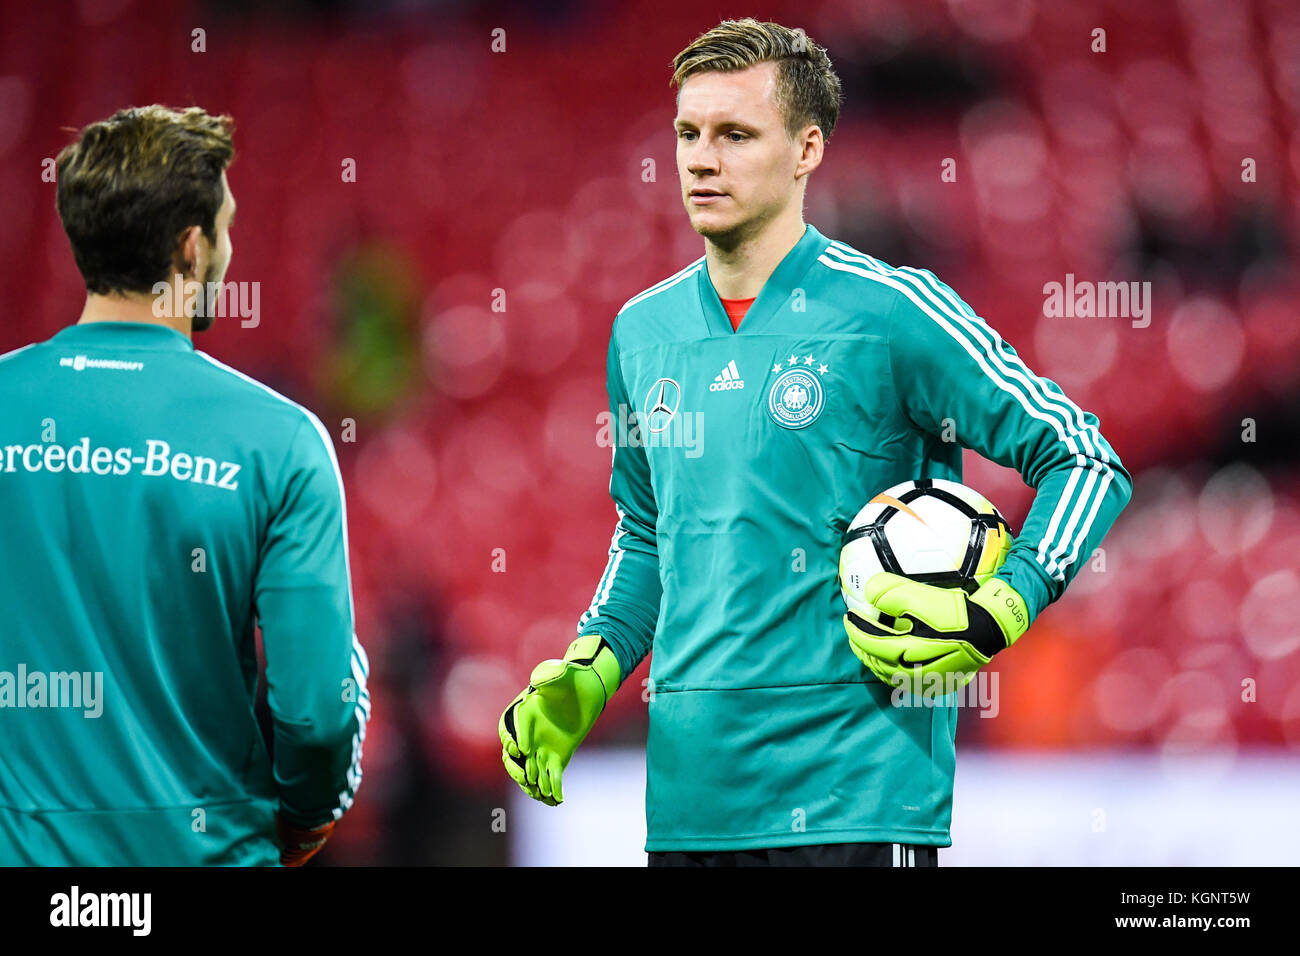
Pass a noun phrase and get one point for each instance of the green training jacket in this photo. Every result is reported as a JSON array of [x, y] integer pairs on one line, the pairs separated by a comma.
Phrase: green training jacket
[[740, 458], [155, 505]]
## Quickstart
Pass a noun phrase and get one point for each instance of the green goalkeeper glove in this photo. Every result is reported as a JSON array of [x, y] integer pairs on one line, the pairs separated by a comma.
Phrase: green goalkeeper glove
[[926, 630], [544, 725]]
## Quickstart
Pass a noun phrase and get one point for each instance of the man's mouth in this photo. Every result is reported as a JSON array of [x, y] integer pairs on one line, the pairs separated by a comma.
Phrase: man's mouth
[[703, 196]]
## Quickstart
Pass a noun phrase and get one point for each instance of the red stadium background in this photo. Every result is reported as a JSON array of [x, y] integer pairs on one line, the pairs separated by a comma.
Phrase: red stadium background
[[515, 184]]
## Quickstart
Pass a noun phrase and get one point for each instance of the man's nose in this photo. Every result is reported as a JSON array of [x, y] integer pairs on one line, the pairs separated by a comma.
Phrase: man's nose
[[702, 158]]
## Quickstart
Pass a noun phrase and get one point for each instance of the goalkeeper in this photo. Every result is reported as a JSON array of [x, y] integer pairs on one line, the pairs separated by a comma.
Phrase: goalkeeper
[[826, 375]]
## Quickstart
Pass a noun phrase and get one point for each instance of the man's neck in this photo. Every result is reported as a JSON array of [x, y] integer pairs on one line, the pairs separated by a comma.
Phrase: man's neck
[[132, 307], [739, 272]]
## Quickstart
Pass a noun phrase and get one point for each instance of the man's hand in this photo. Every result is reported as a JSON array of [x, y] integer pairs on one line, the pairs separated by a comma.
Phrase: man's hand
[[298, 844], [926, 630], [544, 725]]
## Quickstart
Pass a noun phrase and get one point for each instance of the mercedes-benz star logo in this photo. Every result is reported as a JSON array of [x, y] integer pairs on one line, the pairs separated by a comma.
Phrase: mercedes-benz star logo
[[661, 404]]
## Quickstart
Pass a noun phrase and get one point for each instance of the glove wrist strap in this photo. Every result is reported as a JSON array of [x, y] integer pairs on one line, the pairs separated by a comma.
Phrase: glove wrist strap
[[595, 652], [1007, 607]]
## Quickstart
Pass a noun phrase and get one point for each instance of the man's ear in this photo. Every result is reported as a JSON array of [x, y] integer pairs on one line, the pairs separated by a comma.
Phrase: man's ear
[[189, 249], [813, 148]]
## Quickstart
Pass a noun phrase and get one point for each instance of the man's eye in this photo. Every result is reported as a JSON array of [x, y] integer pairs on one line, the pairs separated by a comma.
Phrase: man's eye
[[737, 137], [685, 134]]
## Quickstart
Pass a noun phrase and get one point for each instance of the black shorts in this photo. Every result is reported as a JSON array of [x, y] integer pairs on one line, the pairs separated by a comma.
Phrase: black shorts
[[824, 854]]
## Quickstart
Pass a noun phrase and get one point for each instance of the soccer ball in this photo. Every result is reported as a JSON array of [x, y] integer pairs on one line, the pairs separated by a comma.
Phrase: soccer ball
[[930, 530]]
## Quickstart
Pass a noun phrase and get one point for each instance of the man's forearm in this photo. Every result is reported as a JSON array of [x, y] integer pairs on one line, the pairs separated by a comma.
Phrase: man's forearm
[[316, 676], [625, 608]]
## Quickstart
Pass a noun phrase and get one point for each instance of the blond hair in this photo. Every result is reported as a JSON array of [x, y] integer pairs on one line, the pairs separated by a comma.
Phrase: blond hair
[[807, 90]]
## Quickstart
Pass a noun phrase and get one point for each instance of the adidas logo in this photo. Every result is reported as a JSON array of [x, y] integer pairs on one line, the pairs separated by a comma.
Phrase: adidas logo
[[729, 379]]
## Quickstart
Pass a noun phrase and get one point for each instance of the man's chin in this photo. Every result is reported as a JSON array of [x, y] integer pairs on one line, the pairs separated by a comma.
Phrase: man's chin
[[206, 308], [717, 232]]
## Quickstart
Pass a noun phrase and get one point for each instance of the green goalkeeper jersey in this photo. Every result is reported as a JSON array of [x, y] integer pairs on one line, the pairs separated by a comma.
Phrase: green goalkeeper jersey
[[740, 456], [156, 506]]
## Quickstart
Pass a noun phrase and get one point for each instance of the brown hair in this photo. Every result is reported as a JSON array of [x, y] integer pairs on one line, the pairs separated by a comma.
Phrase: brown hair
[[807, 89], [131, 185]]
